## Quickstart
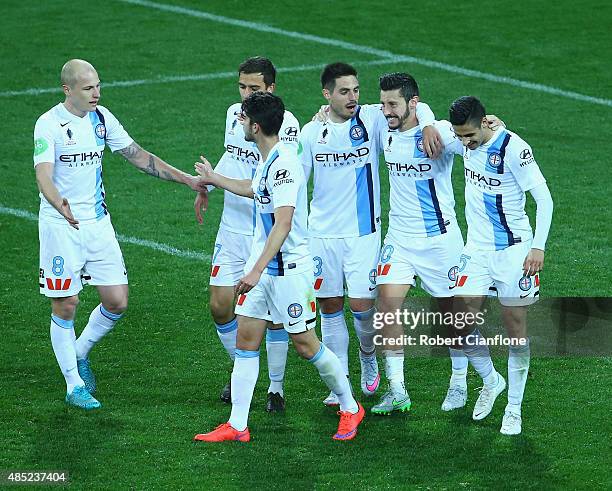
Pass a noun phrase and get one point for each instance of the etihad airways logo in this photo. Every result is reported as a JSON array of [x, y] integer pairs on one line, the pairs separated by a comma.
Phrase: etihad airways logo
[[243, 153], [480, 179], [396, 167], [85, 158], [342, 156]]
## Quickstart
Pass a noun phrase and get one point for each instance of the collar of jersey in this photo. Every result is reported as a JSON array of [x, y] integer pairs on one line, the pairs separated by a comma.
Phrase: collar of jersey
[[494, 138], [275, 147], [64, 113]]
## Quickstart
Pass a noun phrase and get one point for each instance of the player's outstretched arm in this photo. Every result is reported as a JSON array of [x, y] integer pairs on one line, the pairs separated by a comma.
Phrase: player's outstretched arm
[[154, 166], [534, 262], [283, 216], [241, 187], [44, 173]]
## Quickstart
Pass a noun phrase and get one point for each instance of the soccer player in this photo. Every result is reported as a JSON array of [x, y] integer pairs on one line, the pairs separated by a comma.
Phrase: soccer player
[[77, 239], [501, 251], [423, 238], [279, 281], [235, 236], [344, 220]]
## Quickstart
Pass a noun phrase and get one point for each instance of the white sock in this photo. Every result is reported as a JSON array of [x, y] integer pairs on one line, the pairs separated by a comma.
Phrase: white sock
[[459, 363], [394, 369], [227, 334], [244, 378], [480, 358], [335, 336], [62, 340], [364, 327], [518, 367], [330, 370], [101, 322], [277, 345]]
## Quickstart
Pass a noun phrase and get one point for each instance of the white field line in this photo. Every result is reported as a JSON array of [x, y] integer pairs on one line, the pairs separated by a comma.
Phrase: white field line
[[168, 249], [370, 51], [181, 78]]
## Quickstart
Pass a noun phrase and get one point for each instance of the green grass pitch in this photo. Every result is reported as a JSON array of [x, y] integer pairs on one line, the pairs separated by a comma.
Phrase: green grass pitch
[[544, 69]]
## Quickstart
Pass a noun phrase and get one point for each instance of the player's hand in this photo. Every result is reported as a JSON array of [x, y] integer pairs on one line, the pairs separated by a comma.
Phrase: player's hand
[[247, 282], [432, 142], [66, 212], [197, 184], [205, 171], [200, 205], [323, 115], [534, 262], [494, 122]]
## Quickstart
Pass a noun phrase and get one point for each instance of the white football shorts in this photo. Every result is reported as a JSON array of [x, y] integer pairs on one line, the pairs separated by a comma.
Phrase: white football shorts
[[229, 257], [403, 258], [287, 300], [69, 257], [478, 271], [352, 260]]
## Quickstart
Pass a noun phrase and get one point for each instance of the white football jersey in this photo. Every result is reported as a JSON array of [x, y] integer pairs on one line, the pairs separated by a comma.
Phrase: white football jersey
[[279, 181], [421, 196], [240, 161], [346, 193], [497, 174], [76, 146]]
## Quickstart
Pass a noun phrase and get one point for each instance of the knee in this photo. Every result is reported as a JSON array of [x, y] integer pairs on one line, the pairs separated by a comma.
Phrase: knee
[[117, 305], [65, 307], [331, 305], [221, 308], [305, 350], [387, 304], [218, 309], [245, 341], [361, 304]]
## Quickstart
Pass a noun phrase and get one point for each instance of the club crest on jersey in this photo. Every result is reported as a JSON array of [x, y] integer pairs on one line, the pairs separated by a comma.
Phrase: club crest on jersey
[[452, 273], [373, 276], [100, 131], [322, 140], [69, 134], [419, 144], [356, 132], [294, 310], [495, 159], [388, 149], [525, 283], [231, 130]]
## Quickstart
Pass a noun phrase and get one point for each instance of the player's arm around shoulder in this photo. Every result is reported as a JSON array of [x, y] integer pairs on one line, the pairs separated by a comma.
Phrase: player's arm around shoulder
[[433, 143], [452, 145]]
